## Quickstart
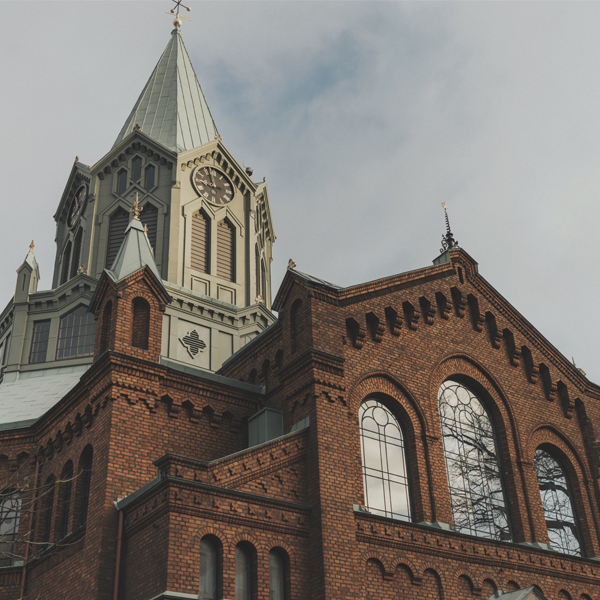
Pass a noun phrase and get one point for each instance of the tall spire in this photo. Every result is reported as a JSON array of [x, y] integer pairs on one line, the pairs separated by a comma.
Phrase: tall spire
[[448, 240], [171, 108]]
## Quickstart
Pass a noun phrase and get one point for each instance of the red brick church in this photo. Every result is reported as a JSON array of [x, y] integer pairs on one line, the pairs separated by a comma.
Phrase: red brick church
[[163, 436]]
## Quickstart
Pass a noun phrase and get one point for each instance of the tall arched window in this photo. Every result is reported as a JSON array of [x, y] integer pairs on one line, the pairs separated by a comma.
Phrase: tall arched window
[[116, 233], [257, 265], [243, 571], [136, 168], [209, 562], [472, 464], [76, 334], [84, 480], [10, 513], [149, 177], [140, 328], [47, 509], [294, 323], [200, 242], [556, 501], [385, 476], [263, 279], [277, 575], [225, 250], [64, 499]]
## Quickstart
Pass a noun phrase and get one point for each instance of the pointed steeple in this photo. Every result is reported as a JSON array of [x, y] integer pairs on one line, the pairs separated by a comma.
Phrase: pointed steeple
[[134, 254], [172, 109]]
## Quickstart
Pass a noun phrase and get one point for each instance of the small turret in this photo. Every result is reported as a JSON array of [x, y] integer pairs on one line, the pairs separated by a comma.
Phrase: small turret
[[28, 275]]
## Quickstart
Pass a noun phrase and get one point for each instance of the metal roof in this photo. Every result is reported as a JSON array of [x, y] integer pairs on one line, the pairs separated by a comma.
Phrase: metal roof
[[26, 396], [134, 254], [171, 108]]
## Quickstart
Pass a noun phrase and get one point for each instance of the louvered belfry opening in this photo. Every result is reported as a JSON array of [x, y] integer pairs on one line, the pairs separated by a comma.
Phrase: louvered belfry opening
[[149, 217], [225, 250], [76, 260], [64, 276], [200, 242], [116, 233]]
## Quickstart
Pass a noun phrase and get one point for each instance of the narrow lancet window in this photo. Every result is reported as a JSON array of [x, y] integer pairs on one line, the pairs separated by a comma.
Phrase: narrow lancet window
[[208, 570], [243, 572], [276, 576], [385, 476], [556, 501], [472, 464]]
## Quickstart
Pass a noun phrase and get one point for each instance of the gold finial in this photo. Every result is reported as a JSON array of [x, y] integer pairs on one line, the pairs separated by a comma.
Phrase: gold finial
[[146, 229], [31, 246], [444, 206], [175, 11], [291, 264], [82, 269], [448, 241], [77, 159], [217, 137], [578, 368], [136, 209]]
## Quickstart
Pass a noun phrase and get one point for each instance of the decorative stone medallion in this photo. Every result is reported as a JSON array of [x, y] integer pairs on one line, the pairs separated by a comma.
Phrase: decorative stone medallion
[[192, 343]]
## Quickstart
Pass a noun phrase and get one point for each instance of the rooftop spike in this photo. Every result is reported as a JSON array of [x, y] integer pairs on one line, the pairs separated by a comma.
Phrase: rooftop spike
[[171, 108], [448, 240]]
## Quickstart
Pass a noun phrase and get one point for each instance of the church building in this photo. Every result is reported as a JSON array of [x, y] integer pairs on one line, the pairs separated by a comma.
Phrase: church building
[[163, 436]]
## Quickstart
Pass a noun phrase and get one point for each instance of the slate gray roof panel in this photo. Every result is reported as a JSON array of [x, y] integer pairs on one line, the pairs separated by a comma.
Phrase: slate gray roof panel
[[26, 396], [171, 108]]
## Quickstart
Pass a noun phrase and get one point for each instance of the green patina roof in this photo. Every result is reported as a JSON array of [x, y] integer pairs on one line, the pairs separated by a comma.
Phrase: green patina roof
[[171, 108]]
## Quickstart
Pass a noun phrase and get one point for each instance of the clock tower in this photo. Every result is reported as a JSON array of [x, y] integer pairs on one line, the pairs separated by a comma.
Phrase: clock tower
[[208, 223]]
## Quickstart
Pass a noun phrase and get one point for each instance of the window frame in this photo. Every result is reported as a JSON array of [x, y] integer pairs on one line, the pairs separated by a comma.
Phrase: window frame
[[89, 317]]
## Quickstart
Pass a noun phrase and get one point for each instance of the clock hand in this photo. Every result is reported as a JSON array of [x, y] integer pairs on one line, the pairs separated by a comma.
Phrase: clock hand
[[212, 178]]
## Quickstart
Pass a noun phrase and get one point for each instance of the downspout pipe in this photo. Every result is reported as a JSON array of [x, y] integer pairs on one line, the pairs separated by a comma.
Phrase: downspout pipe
[[118, 556]]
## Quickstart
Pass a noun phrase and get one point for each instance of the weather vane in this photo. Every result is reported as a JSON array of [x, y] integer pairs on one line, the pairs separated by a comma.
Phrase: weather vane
[[448, 240], [175, 11]]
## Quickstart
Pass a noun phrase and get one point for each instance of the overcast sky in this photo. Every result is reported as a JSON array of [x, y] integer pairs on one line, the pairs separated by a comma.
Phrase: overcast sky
[[363, 116]]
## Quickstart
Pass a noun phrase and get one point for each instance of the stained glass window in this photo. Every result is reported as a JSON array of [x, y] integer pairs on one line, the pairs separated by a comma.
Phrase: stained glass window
[[385, 475], [76, 334], [472, 464], [556, 500], [39, 341]]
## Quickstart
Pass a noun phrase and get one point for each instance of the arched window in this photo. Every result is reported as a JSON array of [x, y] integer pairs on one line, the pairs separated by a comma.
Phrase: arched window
[[277, 574], [106, 324], [136, 168], [116, 233], [140, 328], [209, 563], [200, 242], [244, 567], [10, 514], [263, 279], [84, 480], [76, 334], [121, 181], [64, 499], [66, 262], [76, 258], [47, 509], [472, 464], [149, 177], [556, 501], [257, 265], [385, 476], [225, 250], [149, 217]]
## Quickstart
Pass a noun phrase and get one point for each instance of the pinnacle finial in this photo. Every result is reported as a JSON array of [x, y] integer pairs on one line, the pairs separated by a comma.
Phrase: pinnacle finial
[[178, 18], [136, 209], [448, 240], [31, 246], [291, 264]]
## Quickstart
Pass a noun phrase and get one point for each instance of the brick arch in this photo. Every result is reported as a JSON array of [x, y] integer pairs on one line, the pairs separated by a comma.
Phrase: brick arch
[[400, 561], [578, 477], [436, 572], [374, 555], [465, 368], [473, 579], [210, 531], [497, 402], [383, 382], [245, 537], [561, 592], [384, 386], [278, 543]]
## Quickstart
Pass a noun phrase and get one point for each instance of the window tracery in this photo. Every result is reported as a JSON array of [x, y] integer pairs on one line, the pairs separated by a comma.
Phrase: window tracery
[[472, 464], [556, 502], [385, 475]]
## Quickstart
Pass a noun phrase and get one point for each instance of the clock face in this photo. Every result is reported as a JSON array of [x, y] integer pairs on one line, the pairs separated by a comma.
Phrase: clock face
[[77, 205], [213, 185]]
